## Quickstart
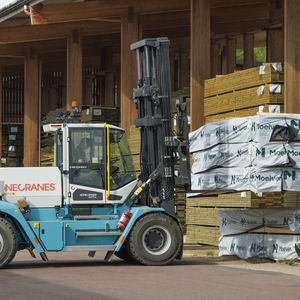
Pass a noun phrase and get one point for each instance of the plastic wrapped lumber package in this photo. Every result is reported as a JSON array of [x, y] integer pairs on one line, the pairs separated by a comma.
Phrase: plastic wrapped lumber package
[[236, 130], [247, 155], [243, 220], [246, 245]]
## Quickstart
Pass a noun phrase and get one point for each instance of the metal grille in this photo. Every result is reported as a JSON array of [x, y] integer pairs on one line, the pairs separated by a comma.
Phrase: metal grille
[[13, 99]]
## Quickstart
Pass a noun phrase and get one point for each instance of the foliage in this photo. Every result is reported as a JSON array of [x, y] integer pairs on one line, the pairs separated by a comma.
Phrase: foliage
[[259, 54]]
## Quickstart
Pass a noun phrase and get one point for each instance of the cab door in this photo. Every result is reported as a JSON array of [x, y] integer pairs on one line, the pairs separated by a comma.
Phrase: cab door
[[86, 165]]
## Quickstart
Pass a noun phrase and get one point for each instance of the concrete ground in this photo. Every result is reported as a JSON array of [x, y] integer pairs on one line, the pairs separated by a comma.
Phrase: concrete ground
[[200, 275]]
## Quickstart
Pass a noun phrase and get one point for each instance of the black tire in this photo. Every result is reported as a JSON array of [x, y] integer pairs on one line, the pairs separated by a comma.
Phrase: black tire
[[155, 240], [8, 242], [125, 254]]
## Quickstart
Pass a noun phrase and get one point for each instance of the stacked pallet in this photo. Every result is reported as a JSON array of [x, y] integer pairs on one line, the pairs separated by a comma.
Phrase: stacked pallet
[[241, 93], [12, 145], [202, 213]]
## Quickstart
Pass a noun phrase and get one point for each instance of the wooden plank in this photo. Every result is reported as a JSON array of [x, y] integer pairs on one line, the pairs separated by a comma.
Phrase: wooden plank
[[200, 58], [31, 109], [106, 8], [275, 45], [231, 54], [291, 56], [21, 34], [248, 50], [129, 34], [74, 69]]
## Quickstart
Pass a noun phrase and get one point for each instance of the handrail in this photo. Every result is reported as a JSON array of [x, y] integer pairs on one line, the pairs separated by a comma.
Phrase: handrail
[[108, 162]]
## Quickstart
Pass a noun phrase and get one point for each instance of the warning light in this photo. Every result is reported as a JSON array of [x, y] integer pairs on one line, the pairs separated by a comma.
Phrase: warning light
[[74, 104]]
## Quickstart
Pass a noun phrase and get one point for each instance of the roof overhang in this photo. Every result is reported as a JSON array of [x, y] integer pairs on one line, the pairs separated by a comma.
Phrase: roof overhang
[[15, 8]]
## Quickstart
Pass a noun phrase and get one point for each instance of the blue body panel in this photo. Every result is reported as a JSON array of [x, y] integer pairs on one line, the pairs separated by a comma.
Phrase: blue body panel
[[48, 229], [15, 213]]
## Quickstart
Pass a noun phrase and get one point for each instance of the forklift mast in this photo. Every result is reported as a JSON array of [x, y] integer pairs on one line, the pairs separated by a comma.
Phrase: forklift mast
[[161, 147]]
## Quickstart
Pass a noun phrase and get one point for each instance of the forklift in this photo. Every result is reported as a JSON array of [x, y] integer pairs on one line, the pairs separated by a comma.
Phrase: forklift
[[91, 199]]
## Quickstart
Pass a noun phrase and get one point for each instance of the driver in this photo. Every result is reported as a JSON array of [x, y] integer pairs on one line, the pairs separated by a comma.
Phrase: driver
[[79, 154]]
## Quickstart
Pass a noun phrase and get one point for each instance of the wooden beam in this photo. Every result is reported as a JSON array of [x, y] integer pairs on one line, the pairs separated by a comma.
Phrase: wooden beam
[[231, 55], [31, 110], [74, 69], [291, 56], [20, 49], [129, 34], [106, 8], [215, 59], [275, 45], [184, 66], [30, 33], [248, 40], [200, 58], [241, 12]]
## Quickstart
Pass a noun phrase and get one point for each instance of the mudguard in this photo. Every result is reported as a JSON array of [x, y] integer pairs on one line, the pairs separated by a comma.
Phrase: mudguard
[[136, 213], [14, 212]]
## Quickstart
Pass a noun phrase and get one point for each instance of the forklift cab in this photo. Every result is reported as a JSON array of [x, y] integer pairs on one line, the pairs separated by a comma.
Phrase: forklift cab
[[95, 161]]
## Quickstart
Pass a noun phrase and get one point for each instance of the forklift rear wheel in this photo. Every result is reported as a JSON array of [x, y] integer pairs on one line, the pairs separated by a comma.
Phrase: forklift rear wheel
[[8, 243], [155, 240]]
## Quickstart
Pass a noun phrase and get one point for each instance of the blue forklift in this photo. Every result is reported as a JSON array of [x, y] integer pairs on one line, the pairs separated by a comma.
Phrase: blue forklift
[[91, 199]]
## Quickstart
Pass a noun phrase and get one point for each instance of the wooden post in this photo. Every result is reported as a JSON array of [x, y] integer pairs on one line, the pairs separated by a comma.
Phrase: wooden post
[[184, 60], [231, 54], [74, 69], [215, 59], [275, 45], [291, 56], [129, 34], [1, 115], [200, 58], [31, 109], [248, 50]]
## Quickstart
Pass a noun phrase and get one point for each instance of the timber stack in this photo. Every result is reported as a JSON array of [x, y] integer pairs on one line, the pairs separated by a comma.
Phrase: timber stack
[[12, 145], [240, 94]]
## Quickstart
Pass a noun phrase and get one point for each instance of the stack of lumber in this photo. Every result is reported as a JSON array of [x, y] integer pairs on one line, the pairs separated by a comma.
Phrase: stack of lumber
[[134, 142], [12, 145], [202, 213], [96, 114], [47, 139], [47, 149], [240, 94]]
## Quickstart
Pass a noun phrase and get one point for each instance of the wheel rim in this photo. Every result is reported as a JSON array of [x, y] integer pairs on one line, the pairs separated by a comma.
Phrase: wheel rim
[[156, 240], [1, 243]]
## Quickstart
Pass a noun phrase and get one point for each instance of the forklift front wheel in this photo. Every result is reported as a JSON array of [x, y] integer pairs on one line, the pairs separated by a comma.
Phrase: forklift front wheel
[[156, 239], [8, 243]]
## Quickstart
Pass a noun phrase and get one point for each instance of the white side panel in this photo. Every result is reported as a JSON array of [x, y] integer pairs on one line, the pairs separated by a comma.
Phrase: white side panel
[[41, 187]]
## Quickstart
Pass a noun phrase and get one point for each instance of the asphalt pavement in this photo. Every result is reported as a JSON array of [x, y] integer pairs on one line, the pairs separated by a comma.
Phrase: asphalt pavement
[[77, 276]]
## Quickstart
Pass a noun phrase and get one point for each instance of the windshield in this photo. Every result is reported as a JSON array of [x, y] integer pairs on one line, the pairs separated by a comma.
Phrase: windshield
[[122, 169]]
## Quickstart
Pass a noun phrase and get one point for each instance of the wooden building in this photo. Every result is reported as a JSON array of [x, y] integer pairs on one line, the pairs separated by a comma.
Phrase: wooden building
[[53, 52]]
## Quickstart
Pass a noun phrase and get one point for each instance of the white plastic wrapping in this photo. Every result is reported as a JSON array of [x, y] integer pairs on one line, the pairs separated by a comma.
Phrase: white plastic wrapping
[[273, 246], [242, 220]]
